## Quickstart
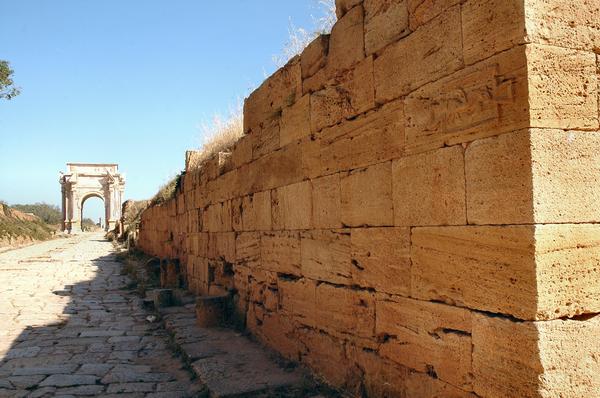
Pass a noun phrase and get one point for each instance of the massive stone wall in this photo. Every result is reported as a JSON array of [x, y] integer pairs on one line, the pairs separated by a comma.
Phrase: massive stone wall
[[412, 211]]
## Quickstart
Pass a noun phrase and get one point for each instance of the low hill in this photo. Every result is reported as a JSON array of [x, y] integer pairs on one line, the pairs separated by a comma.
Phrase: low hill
[[18, 227]]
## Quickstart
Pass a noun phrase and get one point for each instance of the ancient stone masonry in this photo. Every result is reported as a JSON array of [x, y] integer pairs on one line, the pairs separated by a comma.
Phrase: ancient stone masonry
[[85, 180], [413, 210]]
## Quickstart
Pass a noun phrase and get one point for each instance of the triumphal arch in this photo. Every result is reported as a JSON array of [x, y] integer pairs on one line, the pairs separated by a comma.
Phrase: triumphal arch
[[85, 180]]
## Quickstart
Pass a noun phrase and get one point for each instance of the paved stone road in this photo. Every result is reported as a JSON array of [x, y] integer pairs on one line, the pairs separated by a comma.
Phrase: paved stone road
[[68, 327]]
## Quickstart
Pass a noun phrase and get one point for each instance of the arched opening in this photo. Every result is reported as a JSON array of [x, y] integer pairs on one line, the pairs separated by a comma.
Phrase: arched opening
[[93, 213]]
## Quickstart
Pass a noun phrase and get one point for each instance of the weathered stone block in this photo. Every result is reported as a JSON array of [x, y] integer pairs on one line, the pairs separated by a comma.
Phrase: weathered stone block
[[481, 20], [486, 99], [256, 211], [292, 206], [343, 6], [535, 358], [347, 311], [499, 181], [422, 11], [564, 23], [242, 151], [349, 94], [326, 355], [221, 245], [367, 196], [265, 139], [428, 54], [280, 252], [298, 297], [310, 148], [373, 138], [381, 259], [325, 255], [347, 41], [529, 272], [247, 249], [218, 217], [386, 21], [563, 88], [428, 337], [278, 91], [295, 121], [549, 176], [326, 204], [486, 268], [314, 56], [429, 188]]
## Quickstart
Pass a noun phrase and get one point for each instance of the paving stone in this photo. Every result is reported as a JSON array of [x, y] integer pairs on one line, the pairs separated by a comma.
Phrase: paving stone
[[130, 387]]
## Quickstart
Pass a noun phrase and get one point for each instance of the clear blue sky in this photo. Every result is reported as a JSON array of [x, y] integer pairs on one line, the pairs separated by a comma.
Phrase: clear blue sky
[[127, 82]]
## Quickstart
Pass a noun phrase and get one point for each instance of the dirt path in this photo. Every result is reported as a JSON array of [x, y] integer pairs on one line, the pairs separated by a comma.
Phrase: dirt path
[[68, 327]]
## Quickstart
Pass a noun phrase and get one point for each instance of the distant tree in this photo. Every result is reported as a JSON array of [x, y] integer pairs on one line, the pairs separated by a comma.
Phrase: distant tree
[[7, 89], [50, 214]]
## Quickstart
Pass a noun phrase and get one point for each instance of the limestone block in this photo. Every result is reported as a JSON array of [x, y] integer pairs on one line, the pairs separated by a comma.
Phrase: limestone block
[[381, 259], [247, 249], [481, 22], [485, 268], [428, 54], [482, 100], [386, 21], [429, 188], [549, 175], [218, 217], [295, 121], [563, 88], [505, 357], [266, 138], [326, 203], [325, 255], [344, 310], [298, 298], [279, 332], [315, 82], [276, 169], [567, 269], [349, 94], [372, 138], [236, 214], [343, 6], [256, 211], [221, 245], [242, 151], [347, 41], [423, 11], [292, 206], [314, 56], [564, 23], [280, 252], [499, 181], [529, 272], [367, 196], [535, 359], [428, 337], [278, 91], [310, 148], [326, 355], [383, 378], [202, 242]]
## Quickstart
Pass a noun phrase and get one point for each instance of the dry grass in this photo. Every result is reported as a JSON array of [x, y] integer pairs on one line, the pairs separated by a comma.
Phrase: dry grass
[[166, 191], [299, 38], [220, 135]]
